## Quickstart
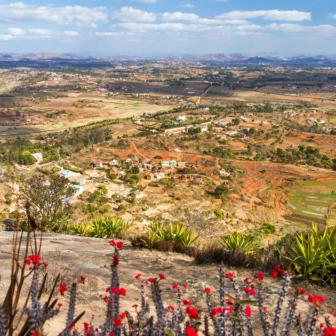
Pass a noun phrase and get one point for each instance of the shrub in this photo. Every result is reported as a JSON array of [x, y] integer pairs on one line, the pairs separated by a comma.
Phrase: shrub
[[269, 228], [238, 241], [108, 226]]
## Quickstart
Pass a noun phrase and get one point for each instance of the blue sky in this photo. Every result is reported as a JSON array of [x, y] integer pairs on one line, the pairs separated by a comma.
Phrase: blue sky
[[136, 27]]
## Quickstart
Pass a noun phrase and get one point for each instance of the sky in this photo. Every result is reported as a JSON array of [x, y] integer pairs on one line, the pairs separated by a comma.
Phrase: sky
[[137, 27]]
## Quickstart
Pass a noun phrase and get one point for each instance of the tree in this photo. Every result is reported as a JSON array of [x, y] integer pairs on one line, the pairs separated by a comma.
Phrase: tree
[[222, 190], [68, 149], [47, 202], [135, 170], [29, 160], [112, 176]]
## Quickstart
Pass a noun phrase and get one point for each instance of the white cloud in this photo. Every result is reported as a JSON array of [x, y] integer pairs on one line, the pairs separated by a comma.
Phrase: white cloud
[[333, 16], [214, 21], [220, 0], [36, 33], [131, 14], [69, 15], [275, 14], [180, 27], [187, 5], [179, 16], [294, 28], [109, 33]]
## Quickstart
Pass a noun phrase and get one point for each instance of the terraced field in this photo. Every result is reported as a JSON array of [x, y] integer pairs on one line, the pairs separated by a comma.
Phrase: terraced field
[[314, 198]]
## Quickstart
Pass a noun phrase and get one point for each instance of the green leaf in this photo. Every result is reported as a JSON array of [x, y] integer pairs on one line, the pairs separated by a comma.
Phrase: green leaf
[[314, 278], [247, 302], [168, 332], [234, 317]]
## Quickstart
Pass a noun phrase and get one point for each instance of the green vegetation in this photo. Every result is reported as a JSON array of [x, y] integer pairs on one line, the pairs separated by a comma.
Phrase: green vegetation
[[238, 242]]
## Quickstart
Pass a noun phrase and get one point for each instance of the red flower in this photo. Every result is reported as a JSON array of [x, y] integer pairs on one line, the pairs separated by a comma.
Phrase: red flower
[[27, 262], [185, 285], [151, 280], [138, 276], [228, 310], [34, 333], [191, 331], [277, 271], [115, 262], [316, 299], [248, 290], [122, 315], [304, 323], [105, 298], [107, 289], [162, 277], [246, 280], [329, 331], [171, 308], [112, 242], [83, 279], [111, 334], [63, 289], [229, 302], [122, 291], [120, 245], [86, 326], [265, 309], [302, 291], [192, 312], [186, 302], [175, 286], [248, 311], [45, 265], [115, 290], [59, 304], [259, 276], [215, 311], [117, 322], [71, 325], [229, 275], [35, 259], [208, 290], [321, 325]]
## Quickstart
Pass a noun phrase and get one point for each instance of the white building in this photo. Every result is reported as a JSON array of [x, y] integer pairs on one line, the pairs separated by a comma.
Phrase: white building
[[38, 156], [181, 118]]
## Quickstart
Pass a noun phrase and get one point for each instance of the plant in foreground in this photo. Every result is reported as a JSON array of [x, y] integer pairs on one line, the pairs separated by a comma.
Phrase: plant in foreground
[[232, 315]]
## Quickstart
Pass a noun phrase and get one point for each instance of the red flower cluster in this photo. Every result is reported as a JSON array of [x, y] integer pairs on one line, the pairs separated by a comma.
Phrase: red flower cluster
[[175, 286], [34, 333], [83, 279], [162, 277], [248, 311], [192, 312], [138, 276], [302, 291], [229, 275], [121, 291], [259, 276], [122, 315], [63, 289], [115, 262], [71, 325], [171, 308], [329, 331], [117, 322], [208, 290], [35, 259], [217, 311], [191, 331], [151, 280], [248, 290], [119, 244], [186, 302], [277, 271], [59, 304], [316, 299]]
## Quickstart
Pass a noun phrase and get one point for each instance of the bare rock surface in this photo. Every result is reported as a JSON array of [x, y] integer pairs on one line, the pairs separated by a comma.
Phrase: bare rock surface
[[73, 257]]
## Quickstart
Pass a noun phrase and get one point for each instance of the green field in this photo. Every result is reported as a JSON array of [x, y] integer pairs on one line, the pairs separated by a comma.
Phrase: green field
[[311, 198]]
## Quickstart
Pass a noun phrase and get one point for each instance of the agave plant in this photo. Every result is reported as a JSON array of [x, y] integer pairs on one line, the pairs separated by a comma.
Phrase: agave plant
[[314, 255], [81, 229], [108, 226], [238, 241], [114, 226], [176, 233]]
